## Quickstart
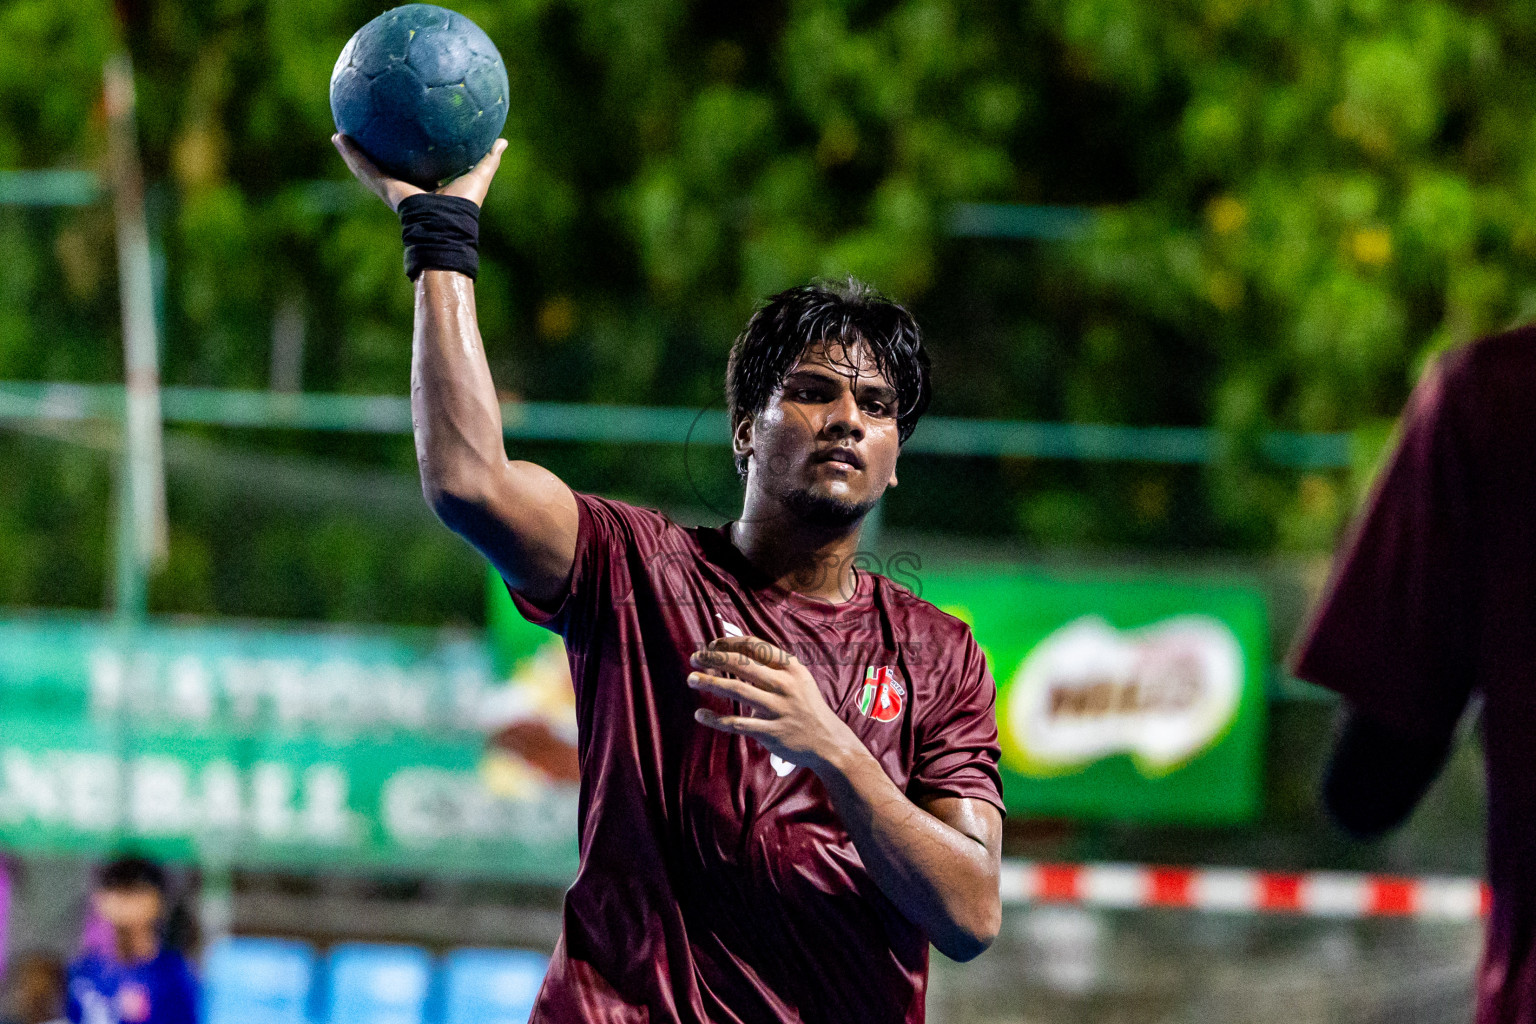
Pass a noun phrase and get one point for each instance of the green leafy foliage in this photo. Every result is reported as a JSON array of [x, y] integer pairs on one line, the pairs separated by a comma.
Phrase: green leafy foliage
[[1299, 202], [1344, 189]]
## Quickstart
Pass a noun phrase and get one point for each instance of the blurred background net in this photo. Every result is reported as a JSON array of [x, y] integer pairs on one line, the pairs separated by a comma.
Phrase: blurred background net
[[1178, 266]]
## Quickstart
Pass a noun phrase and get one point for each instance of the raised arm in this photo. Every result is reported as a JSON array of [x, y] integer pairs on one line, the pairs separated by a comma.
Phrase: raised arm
[[519, 515]]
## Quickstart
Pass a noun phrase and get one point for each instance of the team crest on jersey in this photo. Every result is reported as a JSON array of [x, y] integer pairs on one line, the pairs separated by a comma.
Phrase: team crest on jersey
[[883, 696], [133, 1003]]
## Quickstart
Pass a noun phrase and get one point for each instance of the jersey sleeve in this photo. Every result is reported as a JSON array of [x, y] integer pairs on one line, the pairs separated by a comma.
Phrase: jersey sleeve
[[182, 996], [1392, 633], [194, 994], [612, 539], [956, 741], [73, 1011]]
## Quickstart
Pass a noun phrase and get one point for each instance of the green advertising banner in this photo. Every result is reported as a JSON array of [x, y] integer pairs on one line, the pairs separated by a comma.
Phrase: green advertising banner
[[368, 750], [1123, 699], [407, 750], [1127, 699]]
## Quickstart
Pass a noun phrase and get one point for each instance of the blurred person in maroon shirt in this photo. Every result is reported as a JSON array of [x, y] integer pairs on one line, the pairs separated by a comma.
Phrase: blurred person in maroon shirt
[[788, 764], [1433, 598]]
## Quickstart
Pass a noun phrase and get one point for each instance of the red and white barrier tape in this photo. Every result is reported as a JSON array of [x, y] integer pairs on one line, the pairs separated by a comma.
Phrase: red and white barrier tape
[[1336, 894]]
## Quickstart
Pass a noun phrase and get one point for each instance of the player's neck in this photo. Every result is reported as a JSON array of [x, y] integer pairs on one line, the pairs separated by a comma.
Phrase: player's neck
[[135, 945], [814, 561]]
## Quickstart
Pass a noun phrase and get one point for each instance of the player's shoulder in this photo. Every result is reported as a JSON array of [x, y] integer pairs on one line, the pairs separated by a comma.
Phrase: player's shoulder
[[1506, 359], [638, 524], [87, 961], [620, 508], [912, 610], [90, 965], [175, 960], [183, 971], [1484, 387], [945, 662]]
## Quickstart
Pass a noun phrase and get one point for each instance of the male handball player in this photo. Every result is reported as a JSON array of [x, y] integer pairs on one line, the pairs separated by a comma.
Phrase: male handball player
[[789, 778], [1430, 603]]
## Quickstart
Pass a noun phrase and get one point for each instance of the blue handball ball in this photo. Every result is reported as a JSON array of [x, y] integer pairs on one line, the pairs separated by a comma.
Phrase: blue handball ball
[[423, 91]]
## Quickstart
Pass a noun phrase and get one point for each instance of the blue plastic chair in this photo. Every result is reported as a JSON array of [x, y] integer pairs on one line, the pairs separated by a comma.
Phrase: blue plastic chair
[[257, 981], [491, 986], [375, 984]]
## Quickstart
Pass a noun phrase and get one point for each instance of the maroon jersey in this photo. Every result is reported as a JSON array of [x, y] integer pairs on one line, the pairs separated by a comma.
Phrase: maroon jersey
[[717, 884], [1434, 597]]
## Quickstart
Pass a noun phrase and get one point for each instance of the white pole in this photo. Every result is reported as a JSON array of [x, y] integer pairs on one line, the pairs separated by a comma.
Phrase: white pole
[[142, 527]]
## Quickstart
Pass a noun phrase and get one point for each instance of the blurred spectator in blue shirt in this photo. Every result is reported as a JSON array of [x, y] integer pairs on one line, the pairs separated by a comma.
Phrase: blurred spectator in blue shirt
[[138, 980]]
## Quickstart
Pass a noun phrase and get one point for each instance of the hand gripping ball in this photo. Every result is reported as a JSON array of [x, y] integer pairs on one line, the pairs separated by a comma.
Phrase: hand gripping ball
[[423, 91]]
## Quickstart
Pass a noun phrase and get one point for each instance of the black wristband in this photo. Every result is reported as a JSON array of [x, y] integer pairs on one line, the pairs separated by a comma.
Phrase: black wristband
[[440, 233]]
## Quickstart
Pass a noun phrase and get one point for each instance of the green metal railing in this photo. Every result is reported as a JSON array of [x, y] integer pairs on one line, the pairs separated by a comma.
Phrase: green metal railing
[[627, 424], [635, 424], [1017, 221], [50, 188], [963, 220]]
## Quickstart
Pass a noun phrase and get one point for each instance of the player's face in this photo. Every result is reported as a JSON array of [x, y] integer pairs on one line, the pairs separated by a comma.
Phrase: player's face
[[826, 444], [133, 908]]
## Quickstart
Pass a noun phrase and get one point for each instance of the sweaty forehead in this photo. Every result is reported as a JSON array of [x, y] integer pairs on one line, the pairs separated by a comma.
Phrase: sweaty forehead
[[851, 359]]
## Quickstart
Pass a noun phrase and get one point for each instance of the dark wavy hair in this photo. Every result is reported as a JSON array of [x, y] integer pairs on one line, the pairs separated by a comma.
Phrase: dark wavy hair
[[846, 310], [133, 872]]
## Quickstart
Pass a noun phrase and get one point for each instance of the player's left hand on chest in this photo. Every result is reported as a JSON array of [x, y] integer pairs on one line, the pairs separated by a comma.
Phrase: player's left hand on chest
[[787, 713]]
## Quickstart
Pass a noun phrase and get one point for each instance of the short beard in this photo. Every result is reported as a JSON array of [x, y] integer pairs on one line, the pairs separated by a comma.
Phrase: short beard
[[826, 512]]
